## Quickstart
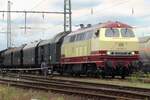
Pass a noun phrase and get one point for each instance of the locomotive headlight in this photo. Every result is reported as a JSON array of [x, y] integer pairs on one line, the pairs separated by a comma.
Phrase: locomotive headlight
[[108, 53], [133, 53]]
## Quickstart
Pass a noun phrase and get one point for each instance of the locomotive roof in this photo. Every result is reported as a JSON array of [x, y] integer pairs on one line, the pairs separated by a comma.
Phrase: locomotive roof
[[44, 42], [108, 24], [144, 39], [31, 45]]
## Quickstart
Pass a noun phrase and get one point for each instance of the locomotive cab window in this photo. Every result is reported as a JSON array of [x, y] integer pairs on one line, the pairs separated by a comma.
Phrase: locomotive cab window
[[127, 33], [72, 38], [80, 37], [89, 35], [112, 32], [66, 39]]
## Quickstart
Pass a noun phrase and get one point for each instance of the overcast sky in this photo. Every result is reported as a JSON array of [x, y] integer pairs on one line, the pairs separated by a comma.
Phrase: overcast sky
[[133, 12]]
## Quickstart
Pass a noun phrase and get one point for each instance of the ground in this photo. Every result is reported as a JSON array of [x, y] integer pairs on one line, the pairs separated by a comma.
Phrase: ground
[[13, 93]]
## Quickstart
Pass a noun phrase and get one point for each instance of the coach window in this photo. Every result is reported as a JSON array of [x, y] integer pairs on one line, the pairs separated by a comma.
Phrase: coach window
[[111, 32], [66, 39]]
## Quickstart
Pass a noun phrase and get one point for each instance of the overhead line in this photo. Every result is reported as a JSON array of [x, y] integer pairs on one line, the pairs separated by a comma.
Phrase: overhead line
[[37, 4], [101, 11], [48, 12]]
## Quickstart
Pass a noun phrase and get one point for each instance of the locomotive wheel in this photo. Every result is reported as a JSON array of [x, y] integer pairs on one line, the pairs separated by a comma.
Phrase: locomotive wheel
[[61, 73], [122, 76], [123, 72], [113, 76], [88, 74], [103, 74], [71, 74], [113, 73]]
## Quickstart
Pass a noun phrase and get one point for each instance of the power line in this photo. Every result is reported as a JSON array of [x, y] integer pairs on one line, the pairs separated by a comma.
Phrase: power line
[[101, 11], [41, 1], [47, 12]]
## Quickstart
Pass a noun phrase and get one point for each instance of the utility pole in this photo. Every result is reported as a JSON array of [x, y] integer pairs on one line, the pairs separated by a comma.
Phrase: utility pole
[[67, 16], [9, 25]]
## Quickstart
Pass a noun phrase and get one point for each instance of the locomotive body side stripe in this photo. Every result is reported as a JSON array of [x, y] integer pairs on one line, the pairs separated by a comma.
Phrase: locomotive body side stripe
[[99, 60]]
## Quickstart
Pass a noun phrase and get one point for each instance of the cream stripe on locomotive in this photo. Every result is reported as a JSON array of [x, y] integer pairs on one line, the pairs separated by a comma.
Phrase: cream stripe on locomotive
[[82, 44]]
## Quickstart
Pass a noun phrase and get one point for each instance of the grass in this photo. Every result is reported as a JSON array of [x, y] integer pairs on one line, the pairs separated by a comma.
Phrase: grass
[[13, 93], [147, 75], [141, 74]]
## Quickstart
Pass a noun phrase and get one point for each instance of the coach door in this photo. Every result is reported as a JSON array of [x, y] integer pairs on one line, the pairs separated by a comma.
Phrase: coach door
[[42, 54], [11, 58], [53, 53]]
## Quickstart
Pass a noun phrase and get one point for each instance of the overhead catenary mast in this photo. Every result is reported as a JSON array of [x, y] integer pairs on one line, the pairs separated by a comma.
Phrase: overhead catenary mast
[[9, 25], [67, 16]]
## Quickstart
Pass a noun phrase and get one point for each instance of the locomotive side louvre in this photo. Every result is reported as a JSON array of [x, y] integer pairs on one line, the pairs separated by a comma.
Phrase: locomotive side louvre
[[82, 47], [30, 54]]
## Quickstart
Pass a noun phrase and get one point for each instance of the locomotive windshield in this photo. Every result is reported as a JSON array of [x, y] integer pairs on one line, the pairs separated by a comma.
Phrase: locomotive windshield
[[111, 32], [127, 33]]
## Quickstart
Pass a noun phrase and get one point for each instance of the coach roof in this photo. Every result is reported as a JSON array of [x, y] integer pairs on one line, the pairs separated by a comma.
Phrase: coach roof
[[31, 45], [44, 42]]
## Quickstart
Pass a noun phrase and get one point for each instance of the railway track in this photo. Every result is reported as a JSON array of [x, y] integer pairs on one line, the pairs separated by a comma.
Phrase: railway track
[[50, 79], [92, 90]]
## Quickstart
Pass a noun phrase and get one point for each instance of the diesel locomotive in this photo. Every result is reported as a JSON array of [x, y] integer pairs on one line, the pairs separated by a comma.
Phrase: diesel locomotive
[[106, 49]]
